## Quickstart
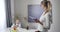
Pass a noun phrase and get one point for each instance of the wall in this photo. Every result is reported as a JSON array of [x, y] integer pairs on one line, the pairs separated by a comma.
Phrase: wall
[[33, 2], [20, 9], [55, 27]]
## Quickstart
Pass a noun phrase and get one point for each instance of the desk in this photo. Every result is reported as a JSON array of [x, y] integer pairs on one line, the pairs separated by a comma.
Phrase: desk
[[31, 25], [22, 30]]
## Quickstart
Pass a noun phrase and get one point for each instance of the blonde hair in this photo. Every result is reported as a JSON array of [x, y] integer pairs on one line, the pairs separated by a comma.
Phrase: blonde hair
[[16, 18], [47, 4]]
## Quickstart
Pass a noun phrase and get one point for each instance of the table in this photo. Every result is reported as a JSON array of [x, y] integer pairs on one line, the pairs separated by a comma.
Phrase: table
[[22, 30]]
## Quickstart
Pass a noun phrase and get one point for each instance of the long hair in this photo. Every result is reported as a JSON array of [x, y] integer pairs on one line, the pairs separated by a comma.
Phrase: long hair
[[47, 4]]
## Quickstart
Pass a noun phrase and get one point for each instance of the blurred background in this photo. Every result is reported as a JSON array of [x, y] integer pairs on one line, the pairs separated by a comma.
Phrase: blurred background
[[10, 8]]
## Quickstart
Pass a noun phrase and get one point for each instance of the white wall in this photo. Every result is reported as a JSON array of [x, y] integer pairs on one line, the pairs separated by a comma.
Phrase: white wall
[[2, 16], [56, 16], [34, 2], [20, 8]]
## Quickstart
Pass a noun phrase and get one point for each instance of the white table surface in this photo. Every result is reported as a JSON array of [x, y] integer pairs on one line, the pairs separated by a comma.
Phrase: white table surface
[[22, 30]]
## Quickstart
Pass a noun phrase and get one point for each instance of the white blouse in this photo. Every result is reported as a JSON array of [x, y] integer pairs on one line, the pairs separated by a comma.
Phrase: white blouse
[[45, 19]]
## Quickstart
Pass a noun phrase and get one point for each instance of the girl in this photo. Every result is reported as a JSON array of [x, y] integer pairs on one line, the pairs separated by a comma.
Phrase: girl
[[17, 23]]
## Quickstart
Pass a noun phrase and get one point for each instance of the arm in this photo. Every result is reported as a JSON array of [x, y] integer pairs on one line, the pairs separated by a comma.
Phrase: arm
[[47, 22], [37, 21]]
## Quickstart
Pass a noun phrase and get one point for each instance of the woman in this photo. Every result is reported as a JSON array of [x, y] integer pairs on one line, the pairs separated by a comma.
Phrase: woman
[[44, 19]]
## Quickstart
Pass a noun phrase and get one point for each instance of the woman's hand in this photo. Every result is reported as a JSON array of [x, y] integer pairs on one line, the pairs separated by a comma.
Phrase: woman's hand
[[37, 21]]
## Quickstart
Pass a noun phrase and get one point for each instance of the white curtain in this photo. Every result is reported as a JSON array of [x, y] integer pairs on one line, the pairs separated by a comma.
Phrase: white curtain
[[2, 16]]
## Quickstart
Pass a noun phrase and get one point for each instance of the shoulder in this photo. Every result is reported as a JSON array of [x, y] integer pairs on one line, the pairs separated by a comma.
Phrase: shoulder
[[48, 13]]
